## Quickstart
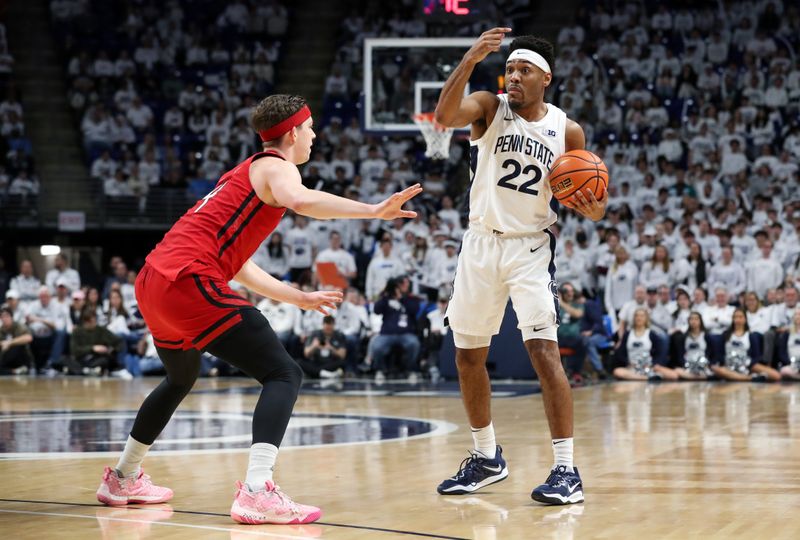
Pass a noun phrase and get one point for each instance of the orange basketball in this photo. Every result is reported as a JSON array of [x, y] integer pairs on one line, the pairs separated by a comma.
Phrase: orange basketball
[[578, 170]]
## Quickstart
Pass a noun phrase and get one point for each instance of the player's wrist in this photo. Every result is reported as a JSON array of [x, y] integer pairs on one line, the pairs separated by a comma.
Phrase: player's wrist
[[470, 60]]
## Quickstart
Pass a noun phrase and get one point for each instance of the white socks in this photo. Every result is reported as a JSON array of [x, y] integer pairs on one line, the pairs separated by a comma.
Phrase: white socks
[[130, 462], [262, 461], [484, 440], [562, 453]]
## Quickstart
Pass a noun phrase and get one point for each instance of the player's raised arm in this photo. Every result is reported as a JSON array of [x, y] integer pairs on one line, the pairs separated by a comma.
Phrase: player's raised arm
[[279, 182], [455, 110]]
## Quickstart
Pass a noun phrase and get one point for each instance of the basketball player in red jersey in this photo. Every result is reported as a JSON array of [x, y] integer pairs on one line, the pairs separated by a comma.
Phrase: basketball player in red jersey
[[185, 299]]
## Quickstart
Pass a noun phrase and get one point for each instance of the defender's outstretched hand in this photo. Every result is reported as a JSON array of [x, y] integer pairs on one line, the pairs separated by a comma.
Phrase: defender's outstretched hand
[[393, 206], [319, 300], [488, 42]]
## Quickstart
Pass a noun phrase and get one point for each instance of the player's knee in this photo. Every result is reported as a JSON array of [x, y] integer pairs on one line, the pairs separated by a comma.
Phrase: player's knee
[[288, 371], [181, 385], [469, 342]]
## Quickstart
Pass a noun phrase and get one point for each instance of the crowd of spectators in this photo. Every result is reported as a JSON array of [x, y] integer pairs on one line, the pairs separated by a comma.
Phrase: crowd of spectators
[[696, 112], [61, 325], [19, 186], [162, 91]]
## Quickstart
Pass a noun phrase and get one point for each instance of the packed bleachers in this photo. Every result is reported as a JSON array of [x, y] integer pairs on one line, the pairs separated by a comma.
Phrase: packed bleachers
[[19, 185], [696, 112], [162, 93]]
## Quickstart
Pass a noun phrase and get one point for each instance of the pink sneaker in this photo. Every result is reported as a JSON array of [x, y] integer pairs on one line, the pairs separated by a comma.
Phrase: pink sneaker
[[116, 491], [270, 506]]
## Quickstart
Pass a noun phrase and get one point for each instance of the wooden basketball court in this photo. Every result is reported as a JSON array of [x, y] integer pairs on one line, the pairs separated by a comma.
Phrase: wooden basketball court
[[681, 460]]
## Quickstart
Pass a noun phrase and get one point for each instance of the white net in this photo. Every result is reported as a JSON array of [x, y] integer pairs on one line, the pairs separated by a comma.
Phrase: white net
[[437, 136]]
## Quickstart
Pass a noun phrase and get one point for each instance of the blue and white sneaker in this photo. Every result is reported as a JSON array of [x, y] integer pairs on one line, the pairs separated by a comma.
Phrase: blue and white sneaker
[[475, 472], [561, 487]]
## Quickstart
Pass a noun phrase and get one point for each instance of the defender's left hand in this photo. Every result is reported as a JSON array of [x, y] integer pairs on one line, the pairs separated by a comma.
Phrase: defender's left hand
[[586, 204]]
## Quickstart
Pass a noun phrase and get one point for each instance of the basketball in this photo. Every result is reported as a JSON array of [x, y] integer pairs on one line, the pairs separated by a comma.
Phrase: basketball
[[578, 170]]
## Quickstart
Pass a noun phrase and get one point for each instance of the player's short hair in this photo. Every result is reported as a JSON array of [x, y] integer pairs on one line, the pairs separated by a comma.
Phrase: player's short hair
[[536, 44], [274, 109]]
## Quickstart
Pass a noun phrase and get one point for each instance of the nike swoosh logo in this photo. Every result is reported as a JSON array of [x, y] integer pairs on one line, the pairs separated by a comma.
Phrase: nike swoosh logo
[[573, 488], [493, 469], [535, 250], [555, 442]]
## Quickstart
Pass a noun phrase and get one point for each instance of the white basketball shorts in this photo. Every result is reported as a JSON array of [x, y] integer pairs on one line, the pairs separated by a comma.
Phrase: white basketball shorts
[[491, 268]]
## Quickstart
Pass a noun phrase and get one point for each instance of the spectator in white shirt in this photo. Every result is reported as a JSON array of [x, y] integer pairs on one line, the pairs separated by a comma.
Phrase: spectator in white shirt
[[743, 244], [352, 320], [372, 168], [26, 284], [657, 270], [718, 316], [759, 317], [48, 323], [62, 271], [301, 250], [103, 167], [24, 185], [765, 272], [445, 267], [139, 115], [272, 256], [781, 322], [336, 84], [734, 161], [621, 281], [384, 265], [639, 301], [117, 186], [729, 274], [448, 214], [282, 317], [344, 261]]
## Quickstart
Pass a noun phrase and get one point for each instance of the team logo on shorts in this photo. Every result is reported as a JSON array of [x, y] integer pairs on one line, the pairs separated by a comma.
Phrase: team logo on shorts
[[554, 288]]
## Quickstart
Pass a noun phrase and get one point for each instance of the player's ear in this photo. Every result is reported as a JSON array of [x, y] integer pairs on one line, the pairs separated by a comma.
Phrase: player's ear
[[548, 78]]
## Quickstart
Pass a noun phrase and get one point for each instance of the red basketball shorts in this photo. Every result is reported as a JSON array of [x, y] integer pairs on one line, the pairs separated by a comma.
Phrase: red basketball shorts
[[190, 312]]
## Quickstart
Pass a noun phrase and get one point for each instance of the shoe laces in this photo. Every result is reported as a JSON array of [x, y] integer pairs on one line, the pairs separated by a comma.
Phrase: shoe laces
[[284, 499], [470, 463], [558, 477]]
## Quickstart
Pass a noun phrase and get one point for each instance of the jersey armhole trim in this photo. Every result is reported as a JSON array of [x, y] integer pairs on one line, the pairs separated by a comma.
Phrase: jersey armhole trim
[[267, 153], [500, 106]]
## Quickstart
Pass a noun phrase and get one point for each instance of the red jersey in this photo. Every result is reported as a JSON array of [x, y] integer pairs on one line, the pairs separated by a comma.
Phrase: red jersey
[[221, 231]]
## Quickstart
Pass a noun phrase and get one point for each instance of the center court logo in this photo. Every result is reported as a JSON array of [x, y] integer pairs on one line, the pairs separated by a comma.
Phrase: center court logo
[[62, 434]]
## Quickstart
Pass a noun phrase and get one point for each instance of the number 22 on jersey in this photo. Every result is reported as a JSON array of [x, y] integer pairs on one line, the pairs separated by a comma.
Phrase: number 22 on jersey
[[516, 170]]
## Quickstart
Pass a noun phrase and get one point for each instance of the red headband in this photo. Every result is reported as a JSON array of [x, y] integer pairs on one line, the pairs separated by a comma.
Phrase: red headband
[[286, 125]]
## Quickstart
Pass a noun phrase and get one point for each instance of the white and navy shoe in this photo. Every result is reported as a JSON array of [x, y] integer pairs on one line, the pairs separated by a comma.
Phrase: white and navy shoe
[[475, 472], [561, 487]]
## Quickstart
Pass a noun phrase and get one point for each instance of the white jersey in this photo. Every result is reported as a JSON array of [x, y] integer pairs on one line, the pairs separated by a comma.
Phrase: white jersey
[[510, 164]]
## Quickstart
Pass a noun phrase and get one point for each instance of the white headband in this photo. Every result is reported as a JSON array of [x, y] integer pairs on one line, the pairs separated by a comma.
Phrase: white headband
[[530, 56]]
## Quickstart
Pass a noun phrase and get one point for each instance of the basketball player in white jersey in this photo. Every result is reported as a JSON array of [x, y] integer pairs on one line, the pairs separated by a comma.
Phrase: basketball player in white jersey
[[508, 250]]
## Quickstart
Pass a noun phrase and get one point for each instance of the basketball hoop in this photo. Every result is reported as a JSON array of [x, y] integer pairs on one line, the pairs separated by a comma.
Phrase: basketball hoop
[[437, 136]]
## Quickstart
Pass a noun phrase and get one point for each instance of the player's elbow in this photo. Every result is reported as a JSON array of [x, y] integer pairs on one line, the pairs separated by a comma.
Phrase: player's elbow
[[299, 203], [443, 118]]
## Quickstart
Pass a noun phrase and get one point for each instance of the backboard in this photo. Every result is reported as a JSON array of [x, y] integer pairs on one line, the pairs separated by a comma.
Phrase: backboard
[[404, 76]]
